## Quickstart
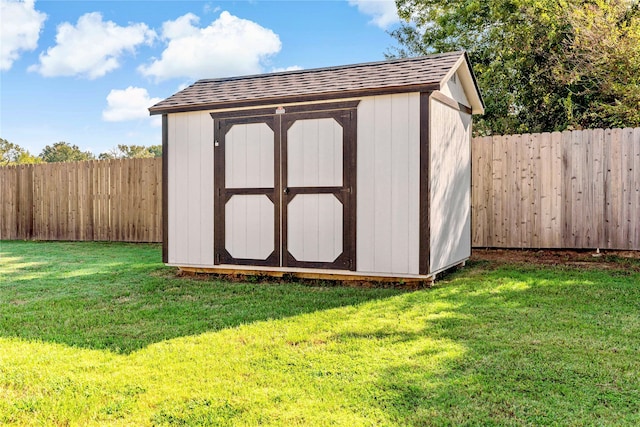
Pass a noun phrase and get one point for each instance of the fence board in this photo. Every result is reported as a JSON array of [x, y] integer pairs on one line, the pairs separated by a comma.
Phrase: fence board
[[575, 189], [597, 187], [629, 211], [478, 169], [499, 192], [636, 168], [568, 190], [615, 188], [533, 189], [545, 166]]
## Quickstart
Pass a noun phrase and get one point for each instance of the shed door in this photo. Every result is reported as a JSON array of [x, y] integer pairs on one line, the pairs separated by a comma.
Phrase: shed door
[[247, 211], [285, 190]]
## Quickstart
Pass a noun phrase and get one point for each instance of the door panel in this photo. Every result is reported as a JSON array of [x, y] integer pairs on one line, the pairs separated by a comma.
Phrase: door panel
[[249, 156], [315, 228], [249, 226], [314, 155]]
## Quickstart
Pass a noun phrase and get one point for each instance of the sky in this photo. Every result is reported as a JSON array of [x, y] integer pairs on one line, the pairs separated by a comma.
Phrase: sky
[[85, 72]]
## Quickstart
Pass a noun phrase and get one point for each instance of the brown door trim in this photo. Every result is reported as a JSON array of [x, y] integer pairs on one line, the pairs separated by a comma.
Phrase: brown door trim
[[223, 194], [345, 113], [256, 112]]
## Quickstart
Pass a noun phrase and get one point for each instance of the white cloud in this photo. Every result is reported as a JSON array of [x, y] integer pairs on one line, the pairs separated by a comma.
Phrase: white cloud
[[228, 46], [384, 12], [19, 30], [91, 48], [291, 68], [129, 104], [211, 9]]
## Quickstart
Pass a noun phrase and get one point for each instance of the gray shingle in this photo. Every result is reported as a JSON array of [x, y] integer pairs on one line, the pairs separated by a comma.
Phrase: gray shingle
[[305, 85]]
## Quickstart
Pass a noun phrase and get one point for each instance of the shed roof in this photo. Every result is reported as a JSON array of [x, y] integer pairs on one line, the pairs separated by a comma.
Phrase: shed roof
[[401, 75]]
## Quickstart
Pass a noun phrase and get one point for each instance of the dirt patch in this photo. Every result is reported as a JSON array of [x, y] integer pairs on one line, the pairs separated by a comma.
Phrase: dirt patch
[[585, 258]]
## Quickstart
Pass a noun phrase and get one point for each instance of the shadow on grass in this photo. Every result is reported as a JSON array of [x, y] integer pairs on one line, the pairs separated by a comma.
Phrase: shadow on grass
[[120, 297], [537, 346]]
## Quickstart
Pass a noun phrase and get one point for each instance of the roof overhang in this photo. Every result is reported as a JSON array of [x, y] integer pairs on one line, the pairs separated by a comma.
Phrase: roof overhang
[[468, 81]]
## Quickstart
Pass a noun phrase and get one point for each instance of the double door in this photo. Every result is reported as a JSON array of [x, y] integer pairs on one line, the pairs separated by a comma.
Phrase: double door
[[285, 187]]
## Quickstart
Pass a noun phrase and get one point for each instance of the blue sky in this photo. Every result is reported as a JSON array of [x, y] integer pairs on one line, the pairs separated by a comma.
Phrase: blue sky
[[85, 72]]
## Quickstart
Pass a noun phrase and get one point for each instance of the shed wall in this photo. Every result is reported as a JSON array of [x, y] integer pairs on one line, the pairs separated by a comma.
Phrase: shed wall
[[388, 184], [450, 152], [388, 163], [190, 204]]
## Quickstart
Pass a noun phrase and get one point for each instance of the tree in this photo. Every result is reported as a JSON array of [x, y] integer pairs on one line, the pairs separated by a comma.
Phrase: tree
[[600, 64], [123, 151], [520, 50], [64, 152], [8, 152], [156, 150], [26, 158], [13, 154]]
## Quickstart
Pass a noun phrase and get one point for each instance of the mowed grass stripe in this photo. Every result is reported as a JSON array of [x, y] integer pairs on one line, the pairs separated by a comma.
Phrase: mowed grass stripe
[[103, 334]]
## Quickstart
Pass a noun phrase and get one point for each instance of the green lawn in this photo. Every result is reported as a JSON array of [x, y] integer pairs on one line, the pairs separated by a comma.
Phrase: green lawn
[[104, 334]]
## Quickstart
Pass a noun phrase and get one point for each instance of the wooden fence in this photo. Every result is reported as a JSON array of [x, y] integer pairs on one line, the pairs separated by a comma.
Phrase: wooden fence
[[578, 189], [118, 200]]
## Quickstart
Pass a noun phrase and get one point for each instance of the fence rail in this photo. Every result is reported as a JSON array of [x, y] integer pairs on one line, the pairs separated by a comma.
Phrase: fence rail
[[578, 189], [117, 200], [575, 189]]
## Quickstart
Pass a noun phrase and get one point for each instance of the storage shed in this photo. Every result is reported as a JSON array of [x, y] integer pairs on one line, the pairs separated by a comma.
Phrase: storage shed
[[357, 171]]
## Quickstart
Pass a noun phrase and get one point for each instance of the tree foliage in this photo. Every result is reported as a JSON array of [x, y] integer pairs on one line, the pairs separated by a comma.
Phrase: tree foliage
[[541, 65], [156, 150], [64, 152], [600, 64], [13, 154], [122, 151]]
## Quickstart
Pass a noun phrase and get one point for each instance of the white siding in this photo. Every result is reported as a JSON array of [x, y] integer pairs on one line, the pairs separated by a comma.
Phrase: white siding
[[450, 151], [388, 184], [453, 89], [190, 155]]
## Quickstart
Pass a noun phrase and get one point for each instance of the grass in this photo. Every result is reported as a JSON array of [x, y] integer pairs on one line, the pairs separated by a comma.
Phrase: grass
[[103, 334]]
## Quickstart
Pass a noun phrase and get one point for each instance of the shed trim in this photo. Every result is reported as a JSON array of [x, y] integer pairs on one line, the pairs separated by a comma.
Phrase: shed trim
[[165, 188], [325, 106], [425, 184], [307, 273], [297, 98], [439, 96]]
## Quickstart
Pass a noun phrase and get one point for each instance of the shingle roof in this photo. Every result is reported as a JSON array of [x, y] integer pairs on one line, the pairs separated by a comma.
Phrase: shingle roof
[[401, 75]]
